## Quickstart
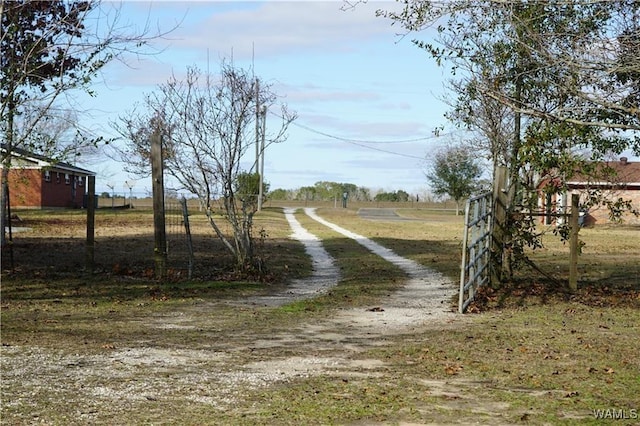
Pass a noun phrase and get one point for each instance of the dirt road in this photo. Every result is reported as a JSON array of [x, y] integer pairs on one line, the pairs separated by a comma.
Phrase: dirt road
[[217, 373]]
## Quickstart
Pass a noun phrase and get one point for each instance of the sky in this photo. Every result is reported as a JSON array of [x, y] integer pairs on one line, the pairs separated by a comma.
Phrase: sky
[[367, 99]]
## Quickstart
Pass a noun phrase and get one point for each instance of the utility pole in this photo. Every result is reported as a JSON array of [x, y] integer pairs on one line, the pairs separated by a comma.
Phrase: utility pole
[[260, 190], [257, 164]]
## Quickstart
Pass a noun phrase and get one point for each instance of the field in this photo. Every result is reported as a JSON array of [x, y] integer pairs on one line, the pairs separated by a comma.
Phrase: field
[[117, 347]]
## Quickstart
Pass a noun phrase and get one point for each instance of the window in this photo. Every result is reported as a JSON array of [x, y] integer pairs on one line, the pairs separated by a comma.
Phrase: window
[[67, 178], [58, 177], [81, 180], [47, 176]]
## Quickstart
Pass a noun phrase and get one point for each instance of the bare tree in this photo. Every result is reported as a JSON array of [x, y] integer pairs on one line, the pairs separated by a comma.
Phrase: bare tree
[[47, 49], [56, 135], [208, 126]]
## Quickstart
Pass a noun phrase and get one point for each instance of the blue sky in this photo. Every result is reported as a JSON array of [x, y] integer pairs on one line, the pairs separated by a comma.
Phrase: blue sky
[[367, 99]]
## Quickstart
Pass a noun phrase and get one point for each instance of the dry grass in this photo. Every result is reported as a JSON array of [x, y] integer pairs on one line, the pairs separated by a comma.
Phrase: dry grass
[[434, 239], [123, 348]]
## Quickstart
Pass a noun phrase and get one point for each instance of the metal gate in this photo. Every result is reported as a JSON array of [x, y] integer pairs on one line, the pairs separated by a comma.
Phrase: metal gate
[[476, 248]]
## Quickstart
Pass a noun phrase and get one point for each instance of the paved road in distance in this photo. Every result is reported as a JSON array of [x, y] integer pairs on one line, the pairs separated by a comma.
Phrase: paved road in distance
[[380, 214]]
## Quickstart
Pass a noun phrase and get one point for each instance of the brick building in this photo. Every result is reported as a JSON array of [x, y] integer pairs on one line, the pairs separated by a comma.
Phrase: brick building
[[619, 180], [38, 182]]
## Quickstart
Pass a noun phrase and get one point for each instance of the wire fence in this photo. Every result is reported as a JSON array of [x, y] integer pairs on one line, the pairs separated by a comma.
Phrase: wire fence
[[193, 249], [180, 253]]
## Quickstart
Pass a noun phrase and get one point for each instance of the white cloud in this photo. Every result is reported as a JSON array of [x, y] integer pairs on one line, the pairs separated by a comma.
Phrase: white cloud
[[369, 128], [299, 95], [339, 70], [283, 27]]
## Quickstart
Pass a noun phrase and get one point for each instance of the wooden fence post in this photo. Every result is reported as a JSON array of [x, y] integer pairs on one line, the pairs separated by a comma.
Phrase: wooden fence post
[[498, 230], [159, 227], [573, 243], [91, 224]]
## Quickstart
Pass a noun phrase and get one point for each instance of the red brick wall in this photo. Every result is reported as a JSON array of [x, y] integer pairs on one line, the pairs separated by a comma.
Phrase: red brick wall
[[30, 188], [25, 188]]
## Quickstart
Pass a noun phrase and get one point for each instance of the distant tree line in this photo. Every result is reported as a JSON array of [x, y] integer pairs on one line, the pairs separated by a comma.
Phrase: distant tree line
[[398, 195], [330, 191], [322, 191]]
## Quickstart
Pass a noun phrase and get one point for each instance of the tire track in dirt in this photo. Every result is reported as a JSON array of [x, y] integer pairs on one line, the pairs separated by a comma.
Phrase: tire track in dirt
[[425, 296], [325, 274], [218, 374]]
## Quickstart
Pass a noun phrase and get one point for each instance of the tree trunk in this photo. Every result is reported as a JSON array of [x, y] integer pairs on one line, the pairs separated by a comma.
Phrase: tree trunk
[[6, 166], [4, 203], [514, 170]]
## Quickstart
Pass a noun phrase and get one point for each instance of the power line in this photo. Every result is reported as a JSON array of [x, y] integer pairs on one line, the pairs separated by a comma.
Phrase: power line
[[343, 139], [383, 150], [364, 143]]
